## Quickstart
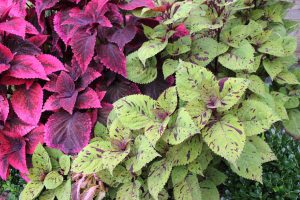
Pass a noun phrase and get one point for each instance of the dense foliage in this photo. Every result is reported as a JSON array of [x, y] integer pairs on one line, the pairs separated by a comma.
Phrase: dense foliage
[[170, 88], [281, 177]]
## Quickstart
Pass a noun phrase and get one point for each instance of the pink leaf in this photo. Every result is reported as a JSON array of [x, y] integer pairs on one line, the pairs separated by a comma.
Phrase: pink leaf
[[27, 104], [19, 46], [14, 26], [30, 29], [89, 193], [133, 4], [17, 159], [88, 99], [50, 63], [17, 128], [27, 67], [52, 103], [41, 5], [8, 80], [50, 85], [122, 36], [69, 133], [38, 40], [112, 57], [68, 103], [83, 45], [33, 138], [5, 57], [4, 170], [4, 108]]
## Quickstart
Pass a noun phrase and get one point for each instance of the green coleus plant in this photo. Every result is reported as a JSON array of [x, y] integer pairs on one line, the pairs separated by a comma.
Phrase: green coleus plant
[[232, 65], [49, 175]]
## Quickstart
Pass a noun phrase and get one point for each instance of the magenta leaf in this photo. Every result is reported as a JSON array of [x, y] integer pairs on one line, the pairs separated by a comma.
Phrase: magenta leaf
[[38, 40], [17, 128], [14, 26], [4, 108], [88, 99], [122, 36], [83, 45], [51, 85], [4, 171], [66, 31], [19, 46], [17, 159], [33, 138], [88, 77], [52, 103], [27, 67], [41, 5], [133, 4], [27, 104], [51, 64], [5, 57], [69, 133], [30, 29], [68, 103], [8, 80], [113, 58]]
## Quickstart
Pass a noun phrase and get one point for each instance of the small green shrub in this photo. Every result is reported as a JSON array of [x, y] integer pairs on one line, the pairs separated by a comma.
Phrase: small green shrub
[[281, 178], [12, 187]]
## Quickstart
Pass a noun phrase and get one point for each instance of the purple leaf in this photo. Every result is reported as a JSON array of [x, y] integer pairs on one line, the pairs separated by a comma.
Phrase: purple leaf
[[83, 45], [52, 103], [104, 112], [4, 108], [33, 138], [19, 46], [68, 103], [88, 77], [69, 133], [88, 99], [14, 26], [122, 36], [41, 5], [27, 104], [113, 58], [5, 57], [65, 85], [27, 67], [50, 63]]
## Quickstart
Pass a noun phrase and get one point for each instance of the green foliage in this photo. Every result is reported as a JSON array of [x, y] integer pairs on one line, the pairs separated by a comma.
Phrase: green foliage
[[12, 187], [47, 180]]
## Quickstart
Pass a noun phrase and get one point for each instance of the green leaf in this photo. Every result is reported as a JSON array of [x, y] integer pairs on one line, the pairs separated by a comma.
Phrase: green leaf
[[265, 152], [195, 82], [189, 189], [139, 73], [225, 137], [120, 175], [98, 156], [47, 195], [185, 152], [256, 85], [202, 161], [151, 48], [256, 116], [292, 125], [204, 50], [248, 165], [209, 190], [135, 111], [180, 10], [241, 58], [233, 89], [130, 190], [117, 131], [180, 46], [277, 65], [54, 155], [32, 190], [287, 77], [280, 47], [170, 67], [63, 192], [178, 174], [216, 176], [143, 153], [41, 159], [168, 100], [274, 13], [154, 131], [197, 23], [234, 34], [65, 163], [180, 128], [53, 180], [100, 130], [158, 176], [199, 112]]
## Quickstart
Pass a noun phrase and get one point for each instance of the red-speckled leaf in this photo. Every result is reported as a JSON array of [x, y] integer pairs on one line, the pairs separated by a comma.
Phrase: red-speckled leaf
[[4, 108], [69, 133], [133, 4], [88, 99], [5, 57], [14, 26], [35, 137], [27, 104], [51, 64], [83, 45], [27, 67], [38, 40], [65, 32], [122, 36], [113, 58]]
